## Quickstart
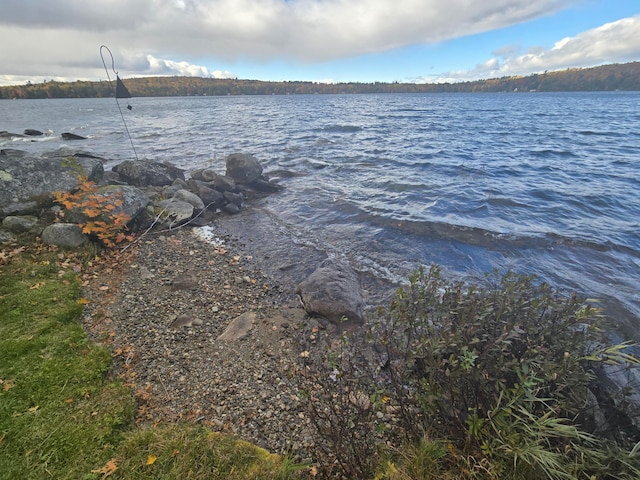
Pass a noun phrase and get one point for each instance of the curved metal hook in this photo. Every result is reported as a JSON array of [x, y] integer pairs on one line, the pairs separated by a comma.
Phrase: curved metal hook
[[113, 63]]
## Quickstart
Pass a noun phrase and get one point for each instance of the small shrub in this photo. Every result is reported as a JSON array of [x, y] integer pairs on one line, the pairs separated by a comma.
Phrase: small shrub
[[100, 211], [503, 372], [343, 404]]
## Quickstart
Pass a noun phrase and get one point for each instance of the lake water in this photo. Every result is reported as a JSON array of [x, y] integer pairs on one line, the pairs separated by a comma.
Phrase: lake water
[[539, 183]]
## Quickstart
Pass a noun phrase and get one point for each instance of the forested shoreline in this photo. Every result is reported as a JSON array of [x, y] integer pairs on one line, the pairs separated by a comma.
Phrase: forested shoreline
[[623, 77]]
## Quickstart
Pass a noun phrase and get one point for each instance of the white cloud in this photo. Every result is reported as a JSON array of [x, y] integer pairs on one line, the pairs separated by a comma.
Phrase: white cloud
[[61, 37], [169, 67], [618, 40]]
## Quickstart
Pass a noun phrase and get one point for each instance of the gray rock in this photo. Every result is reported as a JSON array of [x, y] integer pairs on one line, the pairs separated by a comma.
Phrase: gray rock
[[235, 198], [184, 281], [192, 198], [30, 132], [179, 182], [25, 179], [144, 173], [72, 136], [265, 186], [211, 198], [243, 168], [620, 382], [68, 235], [184, 320], [19, 224], [6, 237], [239, 328], [231, 208], [224, 183], [208, 175], [133, 199], [173, 212], [170, 190], [333, 291]]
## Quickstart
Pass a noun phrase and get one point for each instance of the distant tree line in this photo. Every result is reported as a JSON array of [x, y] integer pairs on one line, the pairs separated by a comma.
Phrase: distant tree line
[[604, 78]]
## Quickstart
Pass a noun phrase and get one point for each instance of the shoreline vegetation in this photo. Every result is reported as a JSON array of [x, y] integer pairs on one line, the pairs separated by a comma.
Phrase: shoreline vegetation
[[614, 77], [510, 395]]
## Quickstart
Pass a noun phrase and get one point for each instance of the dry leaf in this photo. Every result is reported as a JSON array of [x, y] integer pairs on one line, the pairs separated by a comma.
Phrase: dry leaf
[[108, 469], [33, 409], [151, 459]]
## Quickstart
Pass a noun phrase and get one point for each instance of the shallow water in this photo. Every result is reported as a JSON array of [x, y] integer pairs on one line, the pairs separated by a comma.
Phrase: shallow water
[[538, 183]]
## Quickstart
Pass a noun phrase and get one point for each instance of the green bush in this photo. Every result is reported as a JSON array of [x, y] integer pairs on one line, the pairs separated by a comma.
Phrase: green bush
[[501, 373]]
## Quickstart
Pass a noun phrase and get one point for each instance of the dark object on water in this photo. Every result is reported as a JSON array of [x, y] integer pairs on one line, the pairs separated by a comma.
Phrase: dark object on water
[[33, 133], [72, 136]]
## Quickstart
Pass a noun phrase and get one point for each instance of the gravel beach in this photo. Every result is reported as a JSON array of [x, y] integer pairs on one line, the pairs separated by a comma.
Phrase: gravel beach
[[202, 336]]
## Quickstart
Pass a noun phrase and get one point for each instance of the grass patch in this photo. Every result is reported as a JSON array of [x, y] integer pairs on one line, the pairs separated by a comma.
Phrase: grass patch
[[58, 417], [62, 417], [185, 452]]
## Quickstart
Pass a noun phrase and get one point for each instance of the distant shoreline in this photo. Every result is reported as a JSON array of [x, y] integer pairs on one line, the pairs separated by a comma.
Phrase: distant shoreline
[[605, 78]]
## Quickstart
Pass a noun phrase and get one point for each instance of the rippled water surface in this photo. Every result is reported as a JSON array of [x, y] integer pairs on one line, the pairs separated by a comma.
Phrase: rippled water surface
[[539, 183]]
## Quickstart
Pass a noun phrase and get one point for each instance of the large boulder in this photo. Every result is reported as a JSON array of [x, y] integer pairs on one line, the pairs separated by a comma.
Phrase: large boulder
[[27, 181], [243, 168], [68, 235], [133, 202], [145, 173], [333, 291]]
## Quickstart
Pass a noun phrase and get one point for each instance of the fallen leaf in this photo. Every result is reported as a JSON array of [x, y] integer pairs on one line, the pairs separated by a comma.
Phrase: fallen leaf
[[33, 409], [83, 301], [104, 288], [109, 468], [151, 459]]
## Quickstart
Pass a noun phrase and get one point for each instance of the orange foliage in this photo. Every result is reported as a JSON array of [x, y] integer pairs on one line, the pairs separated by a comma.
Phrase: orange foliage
[[105, 224]]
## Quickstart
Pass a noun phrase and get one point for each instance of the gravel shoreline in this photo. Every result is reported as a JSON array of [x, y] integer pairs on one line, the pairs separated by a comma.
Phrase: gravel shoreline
[[162, 308]]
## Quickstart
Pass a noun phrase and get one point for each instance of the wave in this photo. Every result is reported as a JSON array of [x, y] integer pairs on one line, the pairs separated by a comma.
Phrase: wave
[[341, 128], [601, 133], [490, 239]]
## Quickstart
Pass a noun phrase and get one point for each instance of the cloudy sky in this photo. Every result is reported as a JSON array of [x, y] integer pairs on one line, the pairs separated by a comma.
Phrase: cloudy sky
[[313, 40]]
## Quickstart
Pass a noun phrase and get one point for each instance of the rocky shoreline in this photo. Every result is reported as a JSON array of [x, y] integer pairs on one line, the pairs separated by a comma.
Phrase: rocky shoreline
[[169, 312], [196, 329]]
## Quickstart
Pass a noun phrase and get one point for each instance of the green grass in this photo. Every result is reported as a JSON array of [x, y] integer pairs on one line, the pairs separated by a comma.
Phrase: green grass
[[62, 417], [58, 417]]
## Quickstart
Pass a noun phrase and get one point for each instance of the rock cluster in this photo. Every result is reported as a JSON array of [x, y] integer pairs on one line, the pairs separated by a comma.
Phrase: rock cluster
[[152, 193], [158, 195]]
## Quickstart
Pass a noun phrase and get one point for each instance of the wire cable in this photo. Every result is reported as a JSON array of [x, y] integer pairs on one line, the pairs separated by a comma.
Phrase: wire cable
[[113, 67]]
